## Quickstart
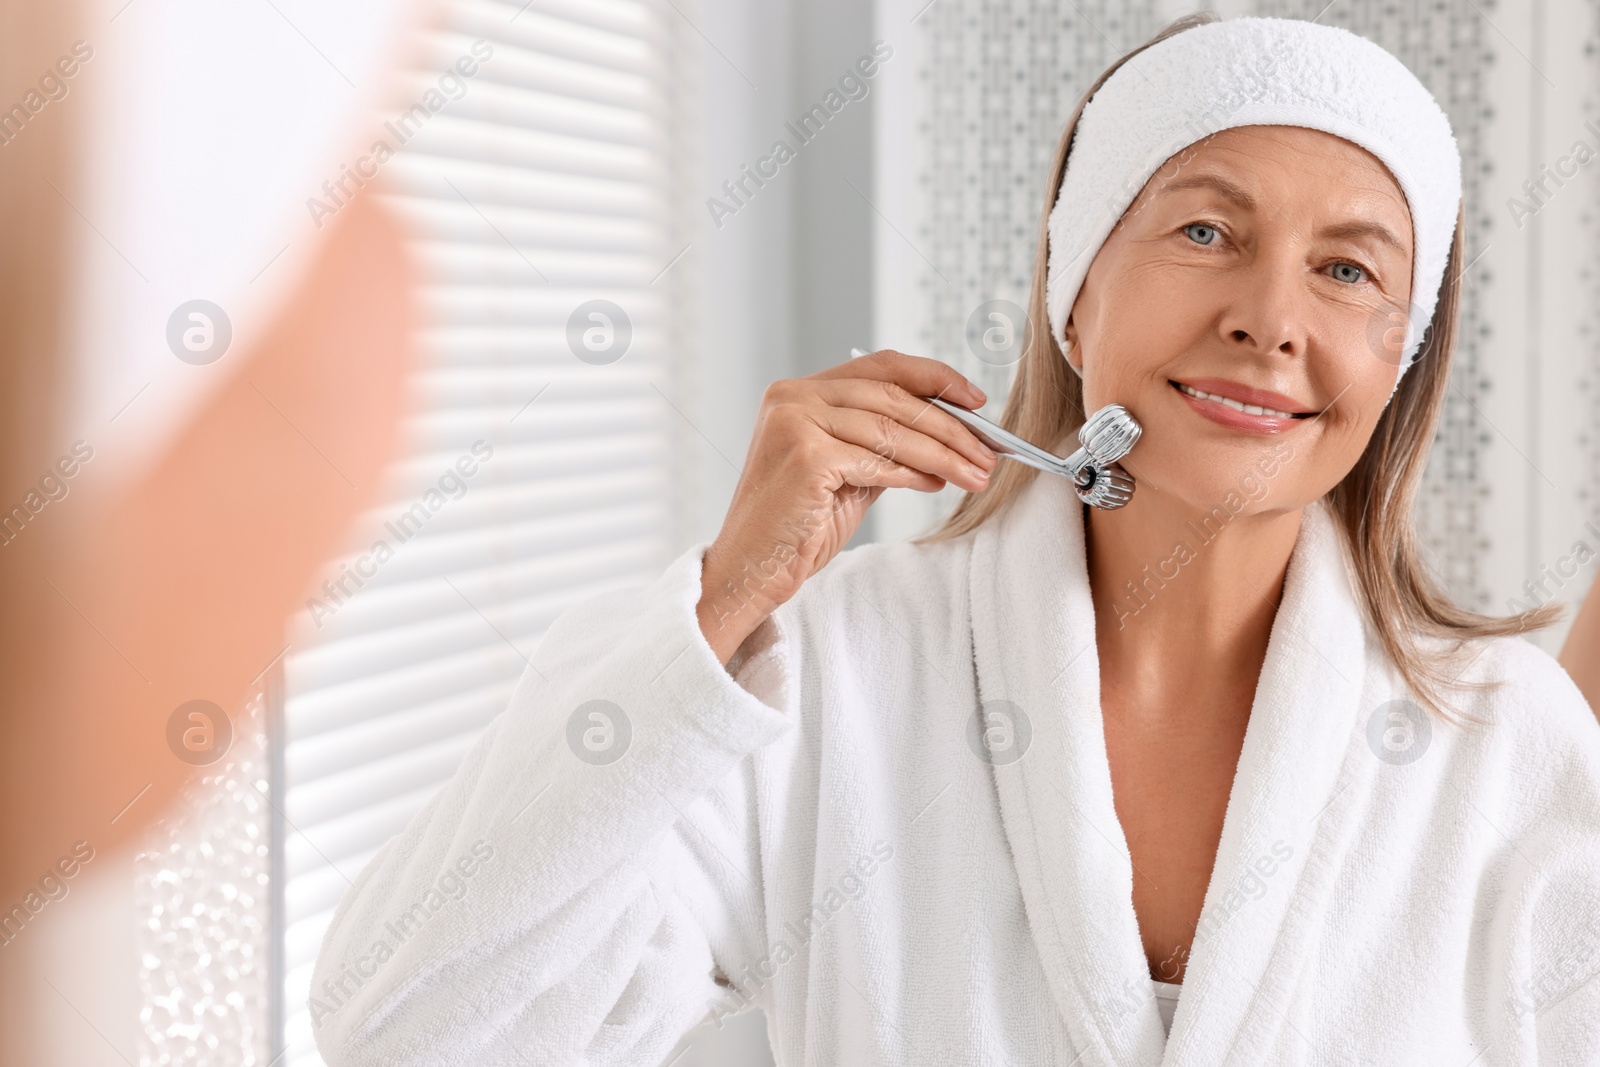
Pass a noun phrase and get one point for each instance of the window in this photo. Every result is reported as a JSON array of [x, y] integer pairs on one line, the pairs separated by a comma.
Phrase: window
[[535, 466]]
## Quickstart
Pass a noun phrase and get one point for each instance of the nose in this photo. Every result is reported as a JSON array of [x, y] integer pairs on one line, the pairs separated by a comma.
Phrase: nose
[[1268, 314]]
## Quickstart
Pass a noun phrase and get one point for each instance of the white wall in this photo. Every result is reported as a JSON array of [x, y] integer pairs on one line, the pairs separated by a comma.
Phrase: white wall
[[784, 284], [745, 310], [786, 281]]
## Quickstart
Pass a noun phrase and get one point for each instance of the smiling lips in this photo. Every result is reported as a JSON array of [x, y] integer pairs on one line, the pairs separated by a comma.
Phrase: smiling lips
[[1242, 407]]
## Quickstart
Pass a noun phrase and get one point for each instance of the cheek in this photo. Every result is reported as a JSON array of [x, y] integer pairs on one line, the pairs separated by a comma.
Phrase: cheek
[[1346, 428], [1140, 319]]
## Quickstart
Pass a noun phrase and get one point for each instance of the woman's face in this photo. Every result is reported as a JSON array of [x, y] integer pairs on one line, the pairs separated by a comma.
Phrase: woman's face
[[1269, 265]]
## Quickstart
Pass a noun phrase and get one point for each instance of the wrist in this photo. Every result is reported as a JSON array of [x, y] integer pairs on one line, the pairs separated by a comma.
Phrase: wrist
[[729, 611]]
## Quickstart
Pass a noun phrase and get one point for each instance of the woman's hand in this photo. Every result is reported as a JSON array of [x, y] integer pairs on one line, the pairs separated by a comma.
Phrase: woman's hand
[[825, 447]]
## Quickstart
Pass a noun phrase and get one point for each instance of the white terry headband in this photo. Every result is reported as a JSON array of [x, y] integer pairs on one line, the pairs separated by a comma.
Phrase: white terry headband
[[1254, 72]]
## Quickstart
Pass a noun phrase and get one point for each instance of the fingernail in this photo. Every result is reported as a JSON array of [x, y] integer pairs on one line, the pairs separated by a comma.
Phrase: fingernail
[[978, 472]]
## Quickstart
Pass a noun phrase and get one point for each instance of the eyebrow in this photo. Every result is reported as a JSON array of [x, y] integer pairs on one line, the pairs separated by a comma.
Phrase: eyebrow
[[1233, 192], [1216, 183], [1366, 228]]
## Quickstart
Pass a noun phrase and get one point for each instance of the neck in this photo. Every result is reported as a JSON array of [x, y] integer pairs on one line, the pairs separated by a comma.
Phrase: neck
[[1184, 600]]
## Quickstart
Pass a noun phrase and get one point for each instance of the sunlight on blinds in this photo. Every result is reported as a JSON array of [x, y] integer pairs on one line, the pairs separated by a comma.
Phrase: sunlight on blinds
[[532, 169]]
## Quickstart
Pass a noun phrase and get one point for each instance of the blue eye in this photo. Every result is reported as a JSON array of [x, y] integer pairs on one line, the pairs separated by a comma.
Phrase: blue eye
[[1361, 271], [1209, 232]]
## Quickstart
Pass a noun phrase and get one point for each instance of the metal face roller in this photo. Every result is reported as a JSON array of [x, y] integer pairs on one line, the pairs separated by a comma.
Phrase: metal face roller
[[1099, 480], [1107, 436]]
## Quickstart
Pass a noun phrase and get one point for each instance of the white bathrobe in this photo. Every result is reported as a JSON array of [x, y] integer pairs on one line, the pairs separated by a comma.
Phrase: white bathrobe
[[836, 837]]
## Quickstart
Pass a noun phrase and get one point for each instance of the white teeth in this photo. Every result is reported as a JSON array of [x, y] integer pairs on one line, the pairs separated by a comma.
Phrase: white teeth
[[1248, 409]]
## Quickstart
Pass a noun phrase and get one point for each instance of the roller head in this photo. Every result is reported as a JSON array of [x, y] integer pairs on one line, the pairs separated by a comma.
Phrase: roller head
[[1107, 487], [1109, 434], [1105, 437]]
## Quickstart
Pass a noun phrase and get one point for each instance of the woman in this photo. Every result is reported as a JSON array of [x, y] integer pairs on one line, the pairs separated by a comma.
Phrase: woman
[[998, 795]]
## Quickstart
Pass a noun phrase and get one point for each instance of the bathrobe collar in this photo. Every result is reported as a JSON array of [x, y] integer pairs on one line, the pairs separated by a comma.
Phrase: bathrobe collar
[[1288, 813]]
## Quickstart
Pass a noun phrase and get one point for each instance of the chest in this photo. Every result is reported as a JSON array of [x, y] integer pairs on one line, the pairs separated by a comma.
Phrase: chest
[[1171, 777]]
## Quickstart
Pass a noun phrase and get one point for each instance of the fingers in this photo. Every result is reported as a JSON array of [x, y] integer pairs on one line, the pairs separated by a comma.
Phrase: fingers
[[891, 440], [917, 375], [915, 412], [865, 467], [869, 422]]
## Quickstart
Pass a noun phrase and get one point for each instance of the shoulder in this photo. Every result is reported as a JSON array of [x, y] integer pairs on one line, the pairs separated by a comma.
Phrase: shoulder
[[1542, 732], [864, 622], [901, 575], [1525, 688], [1545, 748], [872, 604]]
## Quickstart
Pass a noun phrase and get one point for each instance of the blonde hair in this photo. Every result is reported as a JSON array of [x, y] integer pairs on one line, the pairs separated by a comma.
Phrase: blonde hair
[[1373, 505]]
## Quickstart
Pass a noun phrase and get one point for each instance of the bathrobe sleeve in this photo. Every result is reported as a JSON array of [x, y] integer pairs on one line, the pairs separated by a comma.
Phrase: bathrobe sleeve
[[1546, 820], [1562, 993], [1559, 881], [580, 889]]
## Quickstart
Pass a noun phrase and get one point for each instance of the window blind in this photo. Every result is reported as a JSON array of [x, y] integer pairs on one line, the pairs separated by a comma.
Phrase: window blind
[[541, 183]]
